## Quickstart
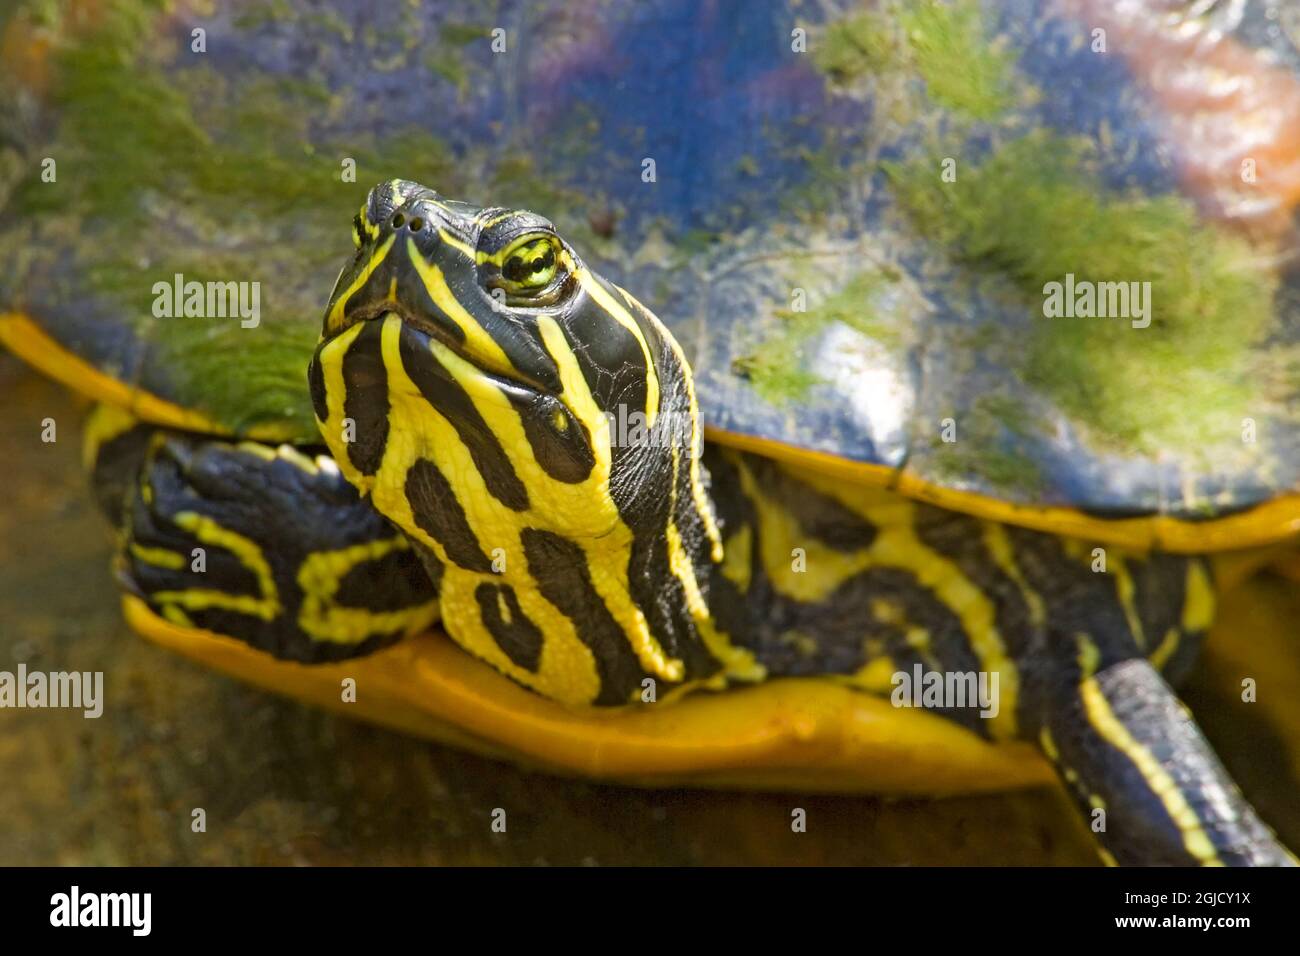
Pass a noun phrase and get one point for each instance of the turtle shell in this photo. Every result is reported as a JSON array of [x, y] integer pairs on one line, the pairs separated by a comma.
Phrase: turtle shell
[[885, 234]]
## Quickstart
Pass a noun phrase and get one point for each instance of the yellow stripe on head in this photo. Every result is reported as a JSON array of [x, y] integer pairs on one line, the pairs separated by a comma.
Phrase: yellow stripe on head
[[477, 339], [334, 322], [576, 391], [449, 240]]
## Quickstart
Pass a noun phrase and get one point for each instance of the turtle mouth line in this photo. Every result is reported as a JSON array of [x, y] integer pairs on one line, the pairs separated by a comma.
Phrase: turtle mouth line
[[435, 330], [511, 379], [377, 310]]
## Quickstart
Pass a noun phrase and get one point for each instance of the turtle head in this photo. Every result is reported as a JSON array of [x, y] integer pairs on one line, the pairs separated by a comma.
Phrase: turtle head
[[531, 427], [468, 276], [474, 339]]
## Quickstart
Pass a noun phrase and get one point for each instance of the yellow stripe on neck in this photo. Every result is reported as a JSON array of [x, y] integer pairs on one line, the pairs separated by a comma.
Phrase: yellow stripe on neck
[[1111, 729]]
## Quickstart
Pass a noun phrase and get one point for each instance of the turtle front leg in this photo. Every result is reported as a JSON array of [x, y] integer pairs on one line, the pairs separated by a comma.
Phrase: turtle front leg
[[1118, 628], [1142, 773], [258, 543]]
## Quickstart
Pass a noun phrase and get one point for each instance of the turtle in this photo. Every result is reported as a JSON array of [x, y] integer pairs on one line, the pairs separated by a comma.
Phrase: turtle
[[473, 386], [801, 515]]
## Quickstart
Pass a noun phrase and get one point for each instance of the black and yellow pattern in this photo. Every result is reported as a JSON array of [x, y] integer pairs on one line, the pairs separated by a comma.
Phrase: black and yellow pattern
[[572, 562], [1079, 651], [474, 379], [257, 542]]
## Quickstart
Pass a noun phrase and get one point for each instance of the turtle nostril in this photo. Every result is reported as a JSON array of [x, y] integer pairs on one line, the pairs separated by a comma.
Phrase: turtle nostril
[[398, 219], [417, 224]]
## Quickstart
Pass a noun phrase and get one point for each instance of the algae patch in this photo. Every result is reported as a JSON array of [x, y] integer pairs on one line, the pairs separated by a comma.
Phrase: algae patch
[[990, 444], [945, 44], [1032, 211], [172, 166], [1028, 209], [864, 44]]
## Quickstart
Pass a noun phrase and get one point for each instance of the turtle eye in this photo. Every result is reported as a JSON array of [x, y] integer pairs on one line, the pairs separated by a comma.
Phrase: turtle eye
[[530, 270], [530, 263]]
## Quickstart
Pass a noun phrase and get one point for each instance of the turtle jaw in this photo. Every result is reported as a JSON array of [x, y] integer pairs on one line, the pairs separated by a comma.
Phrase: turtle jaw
[[389, 392]]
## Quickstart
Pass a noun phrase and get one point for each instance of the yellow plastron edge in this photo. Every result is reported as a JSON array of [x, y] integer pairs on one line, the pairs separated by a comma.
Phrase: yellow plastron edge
[[796, 733]]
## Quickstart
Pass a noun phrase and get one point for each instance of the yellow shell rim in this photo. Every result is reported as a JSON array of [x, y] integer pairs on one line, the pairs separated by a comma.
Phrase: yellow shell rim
[[24, 336], [1267, 523]]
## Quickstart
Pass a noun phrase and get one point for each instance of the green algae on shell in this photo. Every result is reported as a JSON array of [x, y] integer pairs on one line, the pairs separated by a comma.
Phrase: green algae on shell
[[161, 183], [945, 44], [1033, 212]]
